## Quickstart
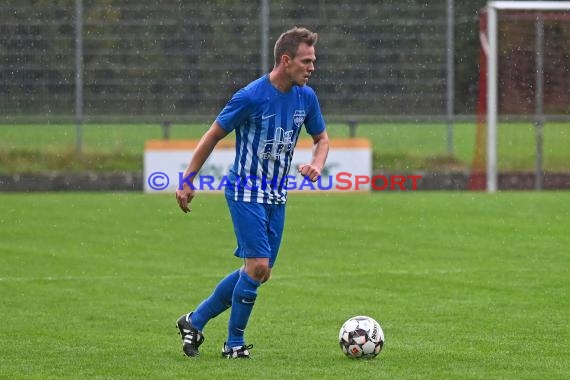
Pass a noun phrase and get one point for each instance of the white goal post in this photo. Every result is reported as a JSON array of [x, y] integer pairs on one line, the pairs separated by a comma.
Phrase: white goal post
[[492, 72]]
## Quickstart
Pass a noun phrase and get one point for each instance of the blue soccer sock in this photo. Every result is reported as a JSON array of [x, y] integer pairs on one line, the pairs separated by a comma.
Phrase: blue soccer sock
[[243, 299], [219, 301]]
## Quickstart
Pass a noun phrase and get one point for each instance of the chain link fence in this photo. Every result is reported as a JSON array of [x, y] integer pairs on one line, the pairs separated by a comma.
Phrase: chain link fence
[[181, 60]]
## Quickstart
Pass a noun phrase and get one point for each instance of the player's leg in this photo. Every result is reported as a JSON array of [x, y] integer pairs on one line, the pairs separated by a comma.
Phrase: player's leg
[[219, 301], [244, 296], [192, 324], [250, 224]]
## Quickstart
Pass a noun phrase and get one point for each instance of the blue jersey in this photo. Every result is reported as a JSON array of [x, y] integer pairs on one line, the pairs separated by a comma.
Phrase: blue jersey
[[267, 123]]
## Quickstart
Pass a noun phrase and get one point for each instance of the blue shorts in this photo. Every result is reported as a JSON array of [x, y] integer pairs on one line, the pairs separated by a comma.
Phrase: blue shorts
[[258, 228]]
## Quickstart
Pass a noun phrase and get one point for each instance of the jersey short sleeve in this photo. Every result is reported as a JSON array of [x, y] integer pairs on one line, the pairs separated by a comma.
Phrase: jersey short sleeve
[[235, 112], [314, 123]]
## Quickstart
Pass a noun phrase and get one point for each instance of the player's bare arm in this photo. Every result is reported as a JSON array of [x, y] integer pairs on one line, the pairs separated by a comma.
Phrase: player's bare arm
[[205, 147], [320, 152]]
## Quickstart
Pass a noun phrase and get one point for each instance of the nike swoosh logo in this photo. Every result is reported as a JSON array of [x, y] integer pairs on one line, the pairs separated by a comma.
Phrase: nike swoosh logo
[[263, 117], [243, 300]]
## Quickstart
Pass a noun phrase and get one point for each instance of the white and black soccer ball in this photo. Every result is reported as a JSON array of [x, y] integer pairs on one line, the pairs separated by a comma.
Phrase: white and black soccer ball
[[361, 337]]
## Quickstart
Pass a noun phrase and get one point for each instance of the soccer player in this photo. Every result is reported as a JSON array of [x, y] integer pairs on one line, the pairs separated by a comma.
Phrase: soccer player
[[267, 116]]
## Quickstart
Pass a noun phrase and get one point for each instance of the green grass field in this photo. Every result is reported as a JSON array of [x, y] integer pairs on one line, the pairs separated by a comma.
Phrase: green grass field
[[465, 285], [402, 147]]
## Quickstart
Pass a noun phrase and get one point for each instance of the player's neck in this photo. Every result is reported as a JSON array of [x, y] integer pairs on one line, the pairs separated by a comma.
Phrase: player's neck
[[280, 80]]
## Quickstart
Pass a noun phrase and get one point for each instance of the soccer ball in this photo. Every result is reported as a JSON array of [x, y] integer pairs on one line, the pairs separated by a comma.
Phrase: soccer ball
[[361, 337]]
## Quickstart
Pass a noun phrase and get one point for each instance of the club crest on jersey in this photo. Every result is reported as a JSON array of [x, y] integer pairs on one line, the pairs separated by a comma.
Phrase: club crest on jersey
[[299, 117]]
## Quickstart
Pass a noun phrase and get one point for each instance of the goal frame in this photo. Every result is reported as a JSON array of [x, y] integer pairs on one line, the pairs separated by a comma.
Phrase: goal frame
[[492, 72]]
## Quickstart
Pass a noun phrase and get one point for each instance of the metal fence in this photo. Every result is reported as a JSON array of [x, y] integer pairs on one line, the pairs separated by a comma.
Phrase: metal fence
[[152, 60]]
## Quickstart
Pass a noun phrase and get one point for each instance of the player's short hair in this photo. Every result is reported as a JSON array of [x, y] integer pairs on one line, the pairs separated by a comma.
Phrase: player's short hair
[[289, 41]]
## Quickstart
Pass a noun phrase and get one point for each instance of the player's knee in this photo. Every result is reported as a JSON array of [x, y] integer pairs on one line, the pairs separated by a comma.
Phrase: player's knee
[[261, 272], [258, 269]]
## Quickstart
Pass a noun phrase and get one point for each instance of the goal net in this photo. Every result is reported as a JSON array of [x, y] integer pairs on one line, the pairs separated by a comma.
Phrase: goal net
[[523, 107]]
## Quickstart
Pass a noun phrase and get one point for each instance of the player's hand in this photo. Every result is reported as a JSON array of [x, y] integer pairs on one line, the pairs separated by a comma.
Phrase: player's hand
[[184, 197], [310, 171]]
